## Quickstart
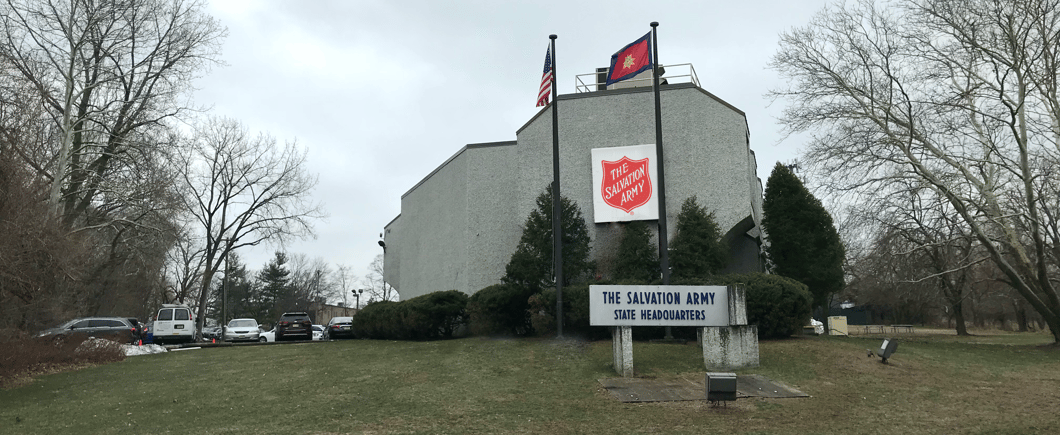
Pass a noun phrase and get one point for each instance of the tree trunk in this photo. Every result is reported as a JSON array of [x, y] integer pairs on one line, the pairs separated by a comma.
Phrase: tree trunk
[[1021, 315], [958, 316]]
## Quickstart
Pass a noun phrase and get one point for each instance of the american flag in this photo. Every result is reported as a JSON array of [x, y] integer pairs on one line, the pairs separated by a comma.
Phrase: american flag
[[546, 80]]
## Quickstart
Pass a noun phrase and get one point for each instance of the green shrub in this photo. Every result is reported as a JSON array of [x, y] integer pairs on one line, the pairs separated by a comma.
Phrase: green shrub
[[575, 313], [378, 320], [431, 316], [438, 314], [500, 309], [780, 306]]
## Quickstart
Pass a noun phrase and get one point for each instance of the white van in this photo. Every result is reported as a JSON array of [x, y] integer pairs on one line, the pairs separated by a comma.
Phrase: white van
[[174, 324]]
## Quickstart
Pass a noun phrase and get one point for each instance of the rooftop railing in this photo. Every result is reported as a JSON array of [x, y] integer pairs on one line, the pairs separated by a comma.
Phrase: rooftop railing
[[672, 74]]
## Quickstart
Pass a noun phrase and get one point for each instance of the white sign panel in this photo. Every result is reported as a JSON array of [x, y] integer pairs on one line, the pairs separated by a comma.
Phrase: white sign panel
[[624, 184], [656, 305]]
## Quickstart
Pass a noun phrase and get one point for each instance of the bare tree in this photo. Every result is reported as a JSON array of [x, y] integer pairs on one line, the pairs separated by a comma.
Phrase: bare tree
[[40, 262], [960, 95], [915, 222], [243, 190], [889, 278], [184, 267], [344, 283], [376, 287], [108, 73], [313, 280]]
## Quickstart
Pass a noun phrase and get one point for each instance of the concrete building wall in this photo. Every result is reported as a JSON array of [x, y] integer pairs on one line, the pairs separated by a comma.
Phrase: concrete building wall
[[706, 154], [429, 239], [460, 225], [493, 229]]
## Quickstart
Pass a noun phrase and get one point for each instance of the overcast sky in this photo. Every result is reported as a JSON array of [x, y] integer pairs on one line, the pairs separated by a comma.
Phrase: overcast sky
[[381, 93]]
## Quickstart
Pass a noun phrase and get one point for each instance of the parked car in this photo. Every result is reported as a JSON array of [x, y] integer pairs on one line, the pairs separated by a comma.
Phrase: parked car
[[267, 336], [242, 330], [339, 327], [211, 332], [112, 328], [318, 332], [140, 333], [174, 323], [294, 326]]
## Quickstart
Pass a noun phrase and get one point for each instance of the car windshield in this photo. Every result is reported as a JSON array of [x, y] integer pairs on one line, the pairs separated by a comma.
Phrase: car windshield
[[242, 324]]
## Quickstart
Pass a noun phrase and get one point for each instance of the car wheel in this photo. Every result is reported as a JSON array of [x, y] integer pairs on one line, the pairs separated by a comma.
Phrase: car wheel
[[263, 339]]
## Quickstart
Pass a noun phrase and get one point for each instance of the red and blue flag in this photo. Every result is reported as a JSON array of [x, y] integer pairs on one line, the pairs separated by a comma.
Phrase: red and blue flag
[[631, 60]]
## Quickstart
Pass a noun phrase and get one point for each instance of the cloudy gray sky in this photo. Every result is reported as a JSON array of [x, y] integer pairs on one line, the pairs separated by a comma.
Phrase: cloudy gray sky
[[381, 93]]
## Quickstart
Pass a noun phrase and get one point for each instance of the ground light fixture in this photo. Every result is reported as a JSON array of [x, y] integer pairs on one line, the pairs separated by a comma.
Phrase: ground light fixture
[[887, 349], [721, 387]]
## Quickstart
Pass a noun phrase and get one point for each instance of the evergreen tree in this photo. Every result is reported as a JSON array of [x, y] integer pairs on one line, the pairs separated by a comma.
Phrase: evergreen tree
[[531, 265], [276, 291], [696, 250], [243, 298], [638, 256], [803, 242]]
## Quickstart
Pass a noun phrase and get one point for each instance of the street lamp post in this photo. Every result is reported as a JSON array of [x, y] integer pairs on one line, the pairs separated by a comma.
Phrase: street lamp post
[[357, 294], [224, 301]]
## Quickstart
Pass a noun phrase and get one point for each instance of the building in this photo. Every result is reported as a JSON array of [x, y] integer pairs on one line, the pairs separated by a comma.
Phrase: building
[[321, 314], [459, 226]]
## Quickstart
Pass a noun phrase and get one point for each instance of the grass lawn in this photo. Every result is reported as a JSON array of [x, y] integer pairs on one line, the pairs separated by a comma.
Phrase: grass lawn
[[1001, 383]]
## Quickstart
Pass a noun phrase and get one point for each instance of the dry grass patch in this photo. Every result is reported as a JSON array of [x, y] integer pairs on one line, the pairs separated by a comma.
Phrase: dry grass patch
[[26, 356]]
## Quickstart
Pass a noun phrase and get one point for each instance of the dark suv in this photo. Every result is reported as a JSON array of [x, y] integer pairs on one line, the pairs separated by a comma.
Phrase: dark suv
[[294, 326], [115, 328]]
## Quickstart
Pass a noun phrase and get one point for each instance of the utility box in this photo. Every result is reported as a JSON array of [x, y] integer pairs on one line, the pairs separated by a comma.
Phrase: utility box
[[721, 386], [887, 349], [837, 325]]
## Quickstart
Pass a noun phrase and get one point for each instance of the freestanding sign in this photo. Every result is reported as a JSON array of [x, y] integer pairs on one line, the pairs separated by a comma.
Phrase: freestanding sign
[[624, 186], [720, 314]]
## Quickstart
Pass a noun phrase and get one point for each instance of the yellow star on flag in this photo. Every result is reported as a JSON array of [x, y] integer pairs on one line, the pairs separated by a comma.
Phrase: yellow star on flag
[[628, 62]]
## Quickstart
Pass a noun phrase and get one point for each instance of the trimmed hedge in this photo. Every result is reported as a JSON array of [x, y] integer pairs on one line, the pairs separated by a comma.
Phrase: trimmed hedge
[[428, 317], [780, 306], [575, 313], [500, 309]]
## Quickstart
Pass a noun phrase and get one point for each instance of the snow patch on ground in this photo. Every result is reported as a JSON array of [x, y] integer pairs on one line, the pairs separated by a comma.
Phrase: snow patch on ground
[[147, 349]]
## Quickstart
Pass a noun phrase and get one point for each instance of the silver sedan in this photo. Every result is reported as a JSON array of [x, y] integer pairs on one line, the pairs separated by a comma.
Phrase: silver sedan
[[242, 330]]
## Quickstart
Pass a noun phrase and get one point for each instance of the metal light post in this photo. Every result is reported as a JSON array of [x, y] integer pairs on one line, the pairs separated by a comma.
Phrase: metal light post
[[357, 294], [224, 301]]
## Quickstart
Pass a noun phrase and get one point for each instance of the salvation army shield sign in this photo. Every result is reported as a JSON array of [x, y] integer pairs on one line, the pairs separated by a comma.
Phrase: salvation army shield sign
[[624, 184], [627, 184]]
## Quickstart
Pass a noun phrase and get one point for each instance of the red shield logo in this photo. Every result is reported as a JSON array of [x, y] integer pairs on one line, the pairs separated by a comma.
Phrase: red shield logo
[[626, 184]]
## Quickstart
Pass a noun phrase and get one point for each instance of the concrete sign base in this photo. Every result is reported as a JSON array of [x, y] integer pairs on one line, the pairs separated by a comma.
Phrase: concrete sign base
[[729, 347], [622, 347], [724, 347]]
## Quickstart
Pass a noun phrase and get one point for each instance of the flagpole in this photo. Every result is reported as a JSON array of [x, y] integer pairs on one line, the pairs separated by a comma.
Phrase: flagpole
[[557, 209], [664, 255]]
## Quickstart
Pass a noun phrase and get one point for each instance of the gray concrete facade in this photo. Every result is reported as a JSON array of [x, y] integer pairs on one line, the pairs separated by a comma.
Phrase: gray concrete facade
[[460, 225]]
